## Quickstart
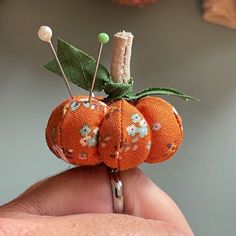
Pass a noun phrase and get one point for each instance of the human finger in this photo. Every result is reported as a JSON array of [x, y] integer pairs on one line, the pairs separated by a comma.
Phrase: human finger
[[87, 190]]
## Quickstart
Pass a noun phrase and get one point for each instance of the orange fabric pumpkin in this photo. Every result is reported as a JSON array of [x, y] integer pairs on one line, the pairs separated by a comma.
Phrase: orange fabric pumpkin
[[121, 134], [166, 126], [125, 136], [124, 131], [72, 130]]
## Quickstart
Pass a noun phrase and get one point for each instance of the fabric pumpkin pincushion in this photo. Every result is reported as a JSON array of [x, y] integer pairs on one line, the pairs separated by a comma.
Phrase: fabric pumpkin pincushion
[[121, 130]]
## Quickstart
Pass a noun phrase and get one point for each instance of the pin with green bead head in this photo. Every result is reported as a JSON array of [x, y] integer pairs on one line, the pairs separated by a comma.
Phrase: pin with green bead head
[[103, 38]]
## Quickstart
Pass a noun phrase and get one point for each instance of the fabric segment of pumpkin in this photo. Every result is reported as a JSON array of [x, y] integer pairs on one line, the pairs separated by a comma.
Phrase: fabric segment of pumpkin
[[125, 136], [53, 136], [166, 127], [77, 133]]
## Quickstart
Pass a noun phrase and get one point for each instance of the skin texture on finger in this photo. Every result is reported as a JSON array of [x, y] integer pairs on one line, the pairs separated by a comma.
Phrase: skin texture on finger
[[87, 190], [78, 190], [87, 224], [148, 201]]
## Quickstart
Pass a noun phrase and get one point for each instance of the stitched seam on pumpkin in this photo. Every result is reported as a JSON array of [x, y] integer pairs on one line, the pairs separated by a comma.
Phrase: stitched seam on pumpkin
[[121, 130], [99, 134], [140, 109]]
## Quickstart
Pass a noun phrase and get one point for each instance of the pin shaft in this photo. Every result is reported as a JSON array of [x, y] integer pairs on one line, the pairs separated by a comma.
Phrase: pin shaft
[[96, 70], [61, 69]]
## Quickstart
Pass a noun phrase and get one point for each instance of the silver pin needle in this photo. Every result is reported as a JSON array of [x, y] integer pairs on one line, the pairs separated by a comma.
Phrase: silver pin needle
[[45, 34], [103, 38]]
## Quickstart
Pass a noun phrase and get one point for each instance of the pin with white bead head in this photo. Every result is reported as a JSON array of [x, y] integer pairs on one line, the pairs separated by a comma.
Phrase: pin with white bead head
[[45, 34], [103, 38]]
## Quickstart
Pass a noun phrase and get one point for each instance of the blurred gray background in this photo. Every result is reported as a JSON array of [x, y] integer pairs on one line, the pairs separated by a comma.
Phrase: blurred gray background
[[173, 47]]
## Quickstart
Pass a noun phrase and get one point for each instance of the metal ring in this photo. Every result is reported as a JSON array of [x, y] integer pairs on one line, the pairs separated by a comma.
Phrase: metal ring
[[117, 191]]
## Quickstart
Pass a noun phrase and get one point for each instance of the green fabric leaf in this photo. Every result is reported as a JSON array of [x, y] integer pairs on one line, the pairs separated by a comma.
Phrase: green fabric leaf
[[162, 91], [79, 67]]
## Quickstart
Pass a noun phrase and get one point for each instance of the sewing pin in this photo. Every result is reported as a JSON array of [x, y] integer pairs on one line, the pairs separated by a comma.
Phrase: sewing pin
[[103, 38], [45, 34]]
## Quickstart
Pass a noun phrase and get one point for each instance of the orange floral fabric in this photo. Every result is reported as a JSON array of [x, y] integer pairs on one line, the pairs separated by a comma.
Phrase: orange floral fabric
[[125, 136], [72, 131], [166, 126], [121, 134]]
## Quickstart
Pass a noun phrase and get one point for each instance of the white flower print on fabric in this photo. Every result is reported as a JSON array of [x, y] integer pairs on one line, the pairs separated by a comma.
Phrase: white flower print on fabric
[[136, 118], [104, 140], [93, 106], [92, 142], [143, 123], [86, 104], [149, 145], [90, 136], [142, 131], [85, 130], [132, 130], [95, 131], [74, 105], [84, 141], [139, 126], [156, 126]]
